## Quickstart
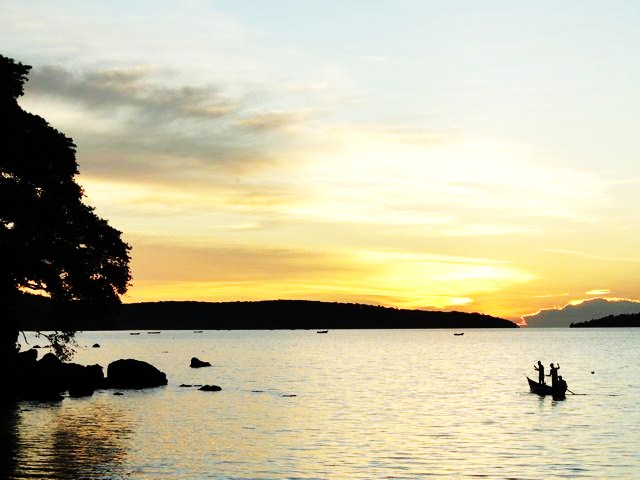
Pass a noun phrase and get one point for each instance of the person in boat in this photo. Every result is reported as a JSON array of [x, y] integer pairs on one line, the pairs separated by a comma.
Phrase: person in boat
[[553, 373], [561, 387], [540, 369]]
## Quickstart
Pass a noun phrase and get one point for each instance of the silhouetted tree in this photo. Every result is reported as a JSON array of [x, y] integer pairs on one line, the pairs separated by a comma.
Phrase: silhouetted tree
[[50, 241]]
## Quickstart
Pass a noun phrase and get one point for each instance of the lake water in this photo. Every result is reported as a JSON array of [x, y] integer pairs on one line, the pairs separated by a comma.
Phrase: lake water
[[368, 404]]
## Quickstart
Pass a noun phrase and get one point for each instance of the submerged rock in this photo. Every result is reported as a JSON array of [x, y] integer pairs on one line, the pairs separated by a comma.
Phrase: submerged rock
[[131, 373], [197, 363]]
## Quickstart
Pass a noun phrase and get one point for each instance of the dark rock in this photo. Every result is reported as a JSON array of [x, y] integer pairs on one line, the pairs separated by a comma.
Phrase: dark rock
[[28, 356], [197, 363], [40, 380], [47, 378], [210, 388], [50, 360], [77, 380], [83, 380], [50, 373], [96, 374], [130, 373], [96, 345]]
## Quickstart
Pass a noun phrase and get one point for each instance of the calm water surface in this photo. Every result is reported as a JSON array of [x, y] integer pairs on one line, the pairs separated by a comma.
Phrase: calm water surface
[[367, 404]]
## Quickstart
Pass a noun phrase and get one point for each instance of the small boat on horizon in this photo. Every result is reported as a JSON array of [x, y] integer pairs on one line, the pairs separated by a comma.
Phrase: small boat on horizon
[[151, 333], [459, 334], [134, 333], [322, 331]]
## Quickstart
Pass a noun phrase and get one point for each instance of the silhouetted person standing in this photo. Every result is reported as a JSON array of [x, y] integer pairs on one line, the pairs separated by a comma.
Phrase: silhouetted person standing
[[561, 387], [540, 369], [553, 373]]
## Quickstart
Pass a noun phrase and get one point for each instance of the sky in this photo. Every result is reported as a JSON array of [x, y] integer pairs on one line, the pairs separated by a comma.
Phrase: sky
[[461, 155]]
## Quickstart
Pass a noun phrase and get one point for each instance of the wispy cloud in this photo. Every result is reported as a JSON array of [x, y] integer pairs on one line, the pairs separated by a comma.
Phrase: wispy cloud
[[134, 122], [273, 120], [130, 88], [591, 256], [599, 291]]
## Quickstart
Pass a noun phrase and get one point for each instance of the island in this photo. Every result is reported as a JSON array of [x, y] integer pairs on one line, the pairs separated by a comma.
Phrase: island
[[261, 315], [612, 321]]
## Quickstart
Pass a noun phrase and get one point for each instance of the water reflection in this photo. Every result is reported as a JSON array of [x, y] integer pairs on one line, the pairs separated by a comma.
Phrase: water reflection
[[8, 440], [86, 438], [369, 404]]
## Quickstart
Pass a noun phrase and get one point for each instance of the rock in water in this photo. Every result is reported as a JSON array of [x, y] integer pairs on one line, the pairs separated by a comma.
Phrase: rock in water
[[83, 380], [197, 363], [130, 373], [210, 388]]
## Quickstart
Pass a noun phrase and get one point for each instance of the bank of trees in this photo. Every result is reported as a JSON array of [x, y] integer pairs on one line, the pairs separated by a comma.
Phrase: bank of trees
[[51, 242]]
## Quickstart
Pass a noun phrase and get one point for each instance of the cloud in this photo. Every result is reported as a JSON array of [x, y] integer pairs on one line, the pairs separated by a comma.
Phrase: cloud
[[581, 311], [272, 120], [138, 122], [114, 88], [598, 291], [591, 256]]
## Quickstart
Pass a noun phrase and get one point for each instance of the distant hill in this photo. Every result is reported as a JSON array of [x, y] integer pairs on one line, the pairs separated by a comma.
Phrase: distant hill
[[270, 314], [624, 320], [591, 309]]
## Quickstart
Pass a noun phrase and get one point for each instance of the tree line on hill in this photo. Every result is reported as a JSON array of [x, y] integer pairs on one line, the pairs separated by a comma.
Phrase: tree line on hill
[[615, 321], [259, 315]]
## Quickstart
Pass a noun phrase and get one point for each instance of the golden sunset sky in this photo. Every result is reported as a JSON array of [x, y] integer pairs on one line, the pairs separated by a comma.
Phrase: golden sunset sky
[[462, 155]]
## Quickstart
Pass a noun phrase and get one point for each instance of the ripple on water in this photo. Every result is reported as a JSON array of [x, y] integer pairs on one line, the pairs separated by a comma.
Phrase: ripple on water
[[369, 404]]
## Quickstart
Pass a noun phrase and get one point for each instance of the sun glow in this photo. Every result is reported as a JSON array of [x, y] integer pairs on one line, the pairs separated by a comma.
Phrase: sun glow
[[240, 167], [372, 215]]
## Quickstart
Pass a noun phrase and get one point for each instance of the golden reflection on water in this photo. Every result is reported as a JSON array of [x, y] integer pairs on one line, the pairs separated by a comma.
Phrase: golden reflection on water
[[368, 404], [77, 438]]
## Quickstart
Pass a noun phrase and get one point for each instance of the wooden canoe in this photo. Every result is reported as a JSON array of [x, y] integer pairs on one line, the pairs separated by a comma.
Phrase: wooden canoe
[[542, 389]]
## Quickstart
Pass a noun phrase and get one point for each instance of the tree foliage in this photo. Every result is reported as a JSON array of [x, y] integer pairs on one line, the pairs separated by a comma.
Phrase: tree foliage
[[50, 241]]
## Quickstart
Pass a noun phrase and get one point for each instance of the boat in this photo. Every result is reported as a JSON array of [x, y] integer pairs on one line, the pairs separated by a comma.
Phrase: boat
[[322, 331], [543, 389], [459, 334], [134, 333]]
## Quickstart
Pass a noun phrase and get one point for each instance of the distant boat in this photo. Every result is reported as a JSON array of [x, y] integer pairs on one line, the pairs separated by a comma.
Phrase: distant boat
[[322, 331], [152, 332], [459, 334], [543, 389], [134, 333], [197, 331]]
